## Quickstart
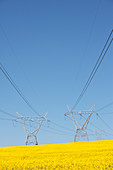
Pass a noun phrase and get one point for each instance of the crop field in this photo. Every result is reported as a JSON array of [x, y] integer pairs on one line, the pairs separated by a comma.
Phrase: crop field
[[78, 155]]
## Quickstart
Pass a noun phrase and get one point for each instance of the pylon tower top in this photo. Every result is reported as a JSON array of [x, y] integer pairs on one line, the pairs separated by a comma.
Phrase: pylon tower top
[[80, 130], [31, 135]]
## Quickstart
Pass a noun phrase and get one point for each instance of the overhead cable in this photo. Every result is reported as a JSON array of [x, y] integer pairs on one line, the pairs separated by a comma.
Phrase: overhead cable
[[57, 130], [104, 107], [16, 88], [6, 113], [105, 123], [89, 37], [5, 119], [97, 127], [97, 65], [61, 126]]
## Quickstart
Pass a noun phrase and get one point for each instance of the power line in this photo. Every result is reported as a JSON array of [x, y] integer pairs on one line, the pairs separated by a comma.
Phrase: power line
[[64, 131], [105, 123], [61, 126], [97, 65], [97, 127], [16, 88], [14, 53], [5, 119], [21, 94], [104, 107], [89, 37], [9, 114], [57, 130], [106, 113]]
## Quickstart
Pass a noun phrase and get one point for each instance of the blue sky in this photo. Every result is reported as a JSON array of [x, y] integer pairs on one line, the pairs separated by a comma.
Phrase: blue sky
[[49, 48]]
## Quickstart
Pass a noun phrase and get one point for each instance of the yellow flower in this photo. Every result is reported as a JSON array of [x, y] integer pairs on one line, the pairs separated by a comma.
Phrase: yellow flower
[[79, 155]]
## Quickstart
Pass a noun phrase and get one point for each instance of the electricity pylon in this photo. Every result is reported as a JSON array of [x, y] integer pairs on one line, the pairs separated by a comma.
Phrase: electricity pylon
[[80, 130], [98, 133], [31, 134]]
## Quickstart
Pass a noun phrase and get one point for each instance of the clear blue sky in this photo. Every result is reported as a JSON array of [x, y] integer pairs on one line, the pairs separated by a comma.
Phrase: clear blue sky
[[49, 48]]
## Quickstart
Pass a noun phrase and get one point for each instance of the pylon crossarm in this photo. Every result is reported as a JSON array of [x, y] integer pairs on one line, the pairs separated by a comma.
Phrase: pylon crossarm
[[31, 134], [80, 131], [79, 112], [32, 119], [84, 112]]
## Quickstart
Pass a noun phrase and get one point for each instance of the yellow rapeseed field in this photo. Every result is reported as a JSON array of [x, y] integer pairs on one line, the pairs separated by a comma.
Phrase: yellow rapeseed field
[[78, 155]]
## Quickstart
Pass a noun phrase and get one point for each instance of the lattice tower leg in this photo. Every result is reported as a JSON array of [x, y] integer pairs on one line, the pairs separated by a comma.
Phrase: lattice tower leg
[[86, 135], [36, 143], [75, 135], [27, 140]]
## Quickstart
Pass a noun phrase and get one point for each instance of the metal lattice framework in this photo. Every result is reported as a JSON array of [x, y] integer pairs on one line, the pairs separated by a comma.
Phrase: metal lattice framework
[[31, 134], [98, 133], [81, 131]]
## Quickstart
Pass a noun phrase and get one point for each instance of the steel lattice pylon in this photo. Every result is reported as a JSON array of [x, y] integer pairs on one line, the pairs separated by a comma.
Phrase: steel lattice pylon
[[31, 134], [81, 131], [98, 133]]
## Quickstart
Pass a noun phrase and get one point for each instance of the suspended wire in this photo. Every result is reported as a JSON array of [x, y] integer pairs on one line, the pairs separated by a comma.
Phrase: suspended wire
[[4, 119], [93, 126], [61, 126], [21, 94], [90, 33], [71, 119], [16, 88], [91, 123], [96, 126], [106, 113], [104, 107], [5, 35], [14, 53], [105, 123], [63, 131], [97, 65], [105, 133], [9, 114], [92, 26], [23, 97], [55, 132]]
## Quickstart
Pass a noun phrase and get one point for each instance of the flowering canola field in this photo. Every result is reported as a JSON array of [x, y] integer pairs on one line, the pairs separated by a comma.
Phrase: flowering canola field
[[78, 155]]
